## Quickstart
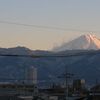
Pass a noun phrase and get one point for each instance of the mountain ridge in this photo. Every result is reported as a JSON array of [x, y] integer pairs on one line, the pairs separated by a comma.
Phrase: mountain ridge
[[86, 66]]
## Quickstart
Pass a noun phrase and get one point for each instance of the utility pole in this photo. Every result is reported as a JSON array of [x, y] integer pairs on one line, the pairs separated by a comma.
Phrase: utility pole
[[66, 76]]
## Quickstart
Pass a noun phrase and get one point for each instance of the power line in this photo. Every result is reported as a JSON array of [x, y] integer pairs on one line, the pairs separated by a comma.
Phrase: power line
[[46, 27], [54, 55]]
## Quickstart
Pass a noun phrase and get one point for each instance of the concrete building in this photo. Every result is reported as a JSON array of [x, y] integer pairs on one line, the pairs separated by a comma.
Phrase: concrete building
[[78, 84], [31, 75]]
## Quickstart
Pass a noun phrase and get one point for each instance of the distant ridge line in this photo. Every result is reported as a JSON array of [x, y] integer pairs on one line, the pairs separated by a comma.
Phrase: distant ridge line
[[54, 55]]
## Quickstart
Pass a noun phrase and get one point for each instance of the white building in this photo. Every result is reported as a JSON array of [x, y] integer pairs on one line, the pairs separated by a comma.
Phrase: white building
[[32, 75]]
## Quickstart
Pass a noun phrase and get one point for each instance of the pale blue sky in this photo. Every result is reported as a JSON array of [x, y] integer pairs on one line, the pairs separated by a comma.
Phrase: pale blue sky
[[70, 14]]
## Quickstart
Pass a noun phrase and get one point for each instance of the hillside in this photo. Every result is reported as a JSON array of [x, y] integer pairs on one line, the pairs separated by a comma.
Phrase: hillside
[[86, 66]]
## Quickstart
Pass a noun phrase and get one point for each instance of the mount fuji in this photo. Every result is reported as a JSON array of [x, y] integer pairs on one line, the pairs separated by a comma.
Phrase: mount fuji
[[85, 66], [84, 42]]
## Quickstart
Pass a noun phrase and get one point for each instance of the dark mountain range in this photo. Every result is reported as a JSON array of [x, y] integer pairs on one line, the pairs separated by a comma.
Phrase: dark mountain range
[[86, 65]]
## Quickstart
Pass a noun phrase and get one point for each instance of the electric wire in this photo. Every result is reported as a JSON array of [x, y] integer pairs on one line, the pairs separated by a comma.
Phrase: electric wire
[[47, 27]]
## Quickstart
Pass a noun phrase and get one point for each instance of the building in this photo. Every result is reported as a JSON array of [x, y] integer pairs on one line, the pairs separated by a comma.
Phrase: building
[[31, 75], [78, 84]]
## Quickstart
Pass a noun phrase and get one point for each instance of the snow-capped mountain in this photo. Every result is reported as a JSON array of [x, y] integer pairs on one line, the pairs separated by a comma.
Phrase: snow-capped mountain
[[84, 42]]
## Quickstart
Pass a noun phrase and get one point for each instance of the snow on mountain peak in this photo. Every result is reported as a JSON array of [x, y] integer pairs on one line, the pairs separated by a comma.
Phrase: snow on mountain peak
[[84, 42]]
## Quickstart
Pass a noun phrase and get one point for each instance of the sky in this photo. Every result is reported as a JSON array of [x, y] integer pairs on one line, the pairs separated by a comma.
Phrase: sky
[[78, 17]]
